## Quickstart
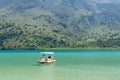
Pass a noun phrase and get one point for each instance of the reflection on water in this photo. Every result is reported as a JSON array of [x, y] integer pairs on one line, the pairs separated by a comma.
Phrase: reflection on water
[[47, 72]]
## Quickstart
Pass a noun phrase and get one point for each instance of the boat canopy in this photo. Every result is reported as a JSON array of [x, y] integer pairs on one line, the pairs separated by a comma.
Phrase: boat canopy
[[46, 52]]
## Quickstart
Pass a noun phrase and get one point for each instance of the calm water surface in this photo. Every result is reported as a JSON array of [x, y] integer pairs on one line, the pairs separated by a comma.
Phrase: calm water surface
[[70, 65]]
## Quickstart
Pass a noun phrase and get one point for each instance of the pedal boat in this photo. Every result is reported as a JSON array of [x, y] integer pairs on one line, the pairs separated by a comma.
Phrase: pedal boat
[[46, 58]]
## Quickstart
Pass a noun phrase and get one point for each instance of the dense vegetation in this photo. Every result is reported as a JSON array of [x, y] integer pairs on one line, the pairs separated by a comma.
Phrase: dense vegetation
[[39, 24]]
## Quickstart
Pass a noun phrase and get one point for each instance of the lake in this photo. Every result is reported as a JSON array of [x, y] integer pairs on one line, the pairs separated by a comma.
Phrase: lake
[[70, 65]]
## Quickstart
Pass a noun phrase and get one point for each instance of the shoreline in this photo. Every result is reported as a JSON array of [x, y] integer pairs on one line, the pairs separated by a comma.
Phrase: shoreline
[[87, 48]]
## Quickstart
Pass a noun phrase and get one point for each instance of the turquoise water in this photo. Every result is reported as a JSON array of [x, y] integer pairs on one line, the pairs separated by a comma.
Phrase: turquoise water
[[70, 65]]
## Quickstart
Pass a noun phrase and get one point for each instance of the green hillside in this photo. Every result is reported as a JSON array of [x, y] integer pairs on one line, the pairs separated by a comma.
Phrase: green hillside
[[39, 24]]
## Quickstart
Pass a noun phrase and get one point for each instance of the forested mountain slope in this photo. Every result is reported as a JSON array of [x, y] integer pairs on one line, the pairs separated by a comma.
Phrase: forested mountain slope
[[36, 24]]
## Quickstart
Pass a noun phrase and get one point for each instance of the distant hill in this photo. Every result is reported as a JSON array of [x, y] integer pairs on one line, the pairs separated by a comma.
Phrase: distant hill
[[38, 24]]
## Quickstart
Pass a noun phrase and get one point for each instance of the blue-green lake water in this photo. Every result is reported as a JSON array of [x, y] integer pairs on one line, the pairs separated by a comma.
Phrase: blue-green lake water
[[70, 65]]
